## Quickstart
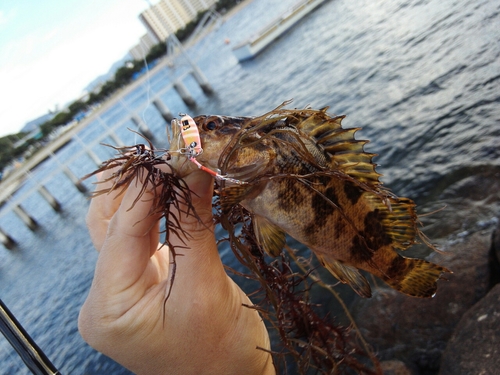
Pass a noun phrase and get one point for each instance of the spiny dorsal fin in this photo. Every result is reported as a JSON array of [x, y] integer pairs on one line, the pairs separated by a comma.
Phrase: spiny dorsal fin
[[345, 152], [269, 236], [318, 122], [347, 275]]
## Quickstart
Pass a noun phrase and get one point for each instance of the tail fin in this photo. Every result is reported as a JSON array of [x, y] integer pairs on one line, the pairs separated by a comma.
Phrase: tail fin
[[416, 277]]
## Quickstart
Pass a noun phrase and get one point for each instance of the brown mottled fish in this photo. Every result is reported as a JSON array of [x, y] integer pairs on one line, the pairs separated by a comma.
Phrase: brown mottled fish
[[308, 177]]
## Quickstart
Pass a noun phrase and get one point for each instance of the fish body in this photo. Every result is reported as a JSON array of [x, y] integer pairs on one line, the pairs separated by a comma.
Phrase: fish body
[[306, 176]]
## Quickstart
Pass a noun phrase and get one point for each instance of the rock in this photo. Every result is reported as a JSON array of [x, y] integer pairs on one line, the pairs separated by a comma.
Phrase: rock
[[496, 241], [395, 367], [495, 256], [415, 330], [474, 347]]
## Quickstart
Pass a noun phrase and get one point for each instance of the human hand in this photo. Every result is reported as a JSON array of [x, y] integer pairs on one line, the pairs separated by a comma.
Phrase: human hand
[[203, 328]]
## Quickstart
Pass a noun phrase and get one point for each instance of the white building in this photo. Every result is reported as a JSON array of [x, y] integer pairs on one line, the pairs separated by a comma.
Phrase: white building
[[140, 51], [168, 16]]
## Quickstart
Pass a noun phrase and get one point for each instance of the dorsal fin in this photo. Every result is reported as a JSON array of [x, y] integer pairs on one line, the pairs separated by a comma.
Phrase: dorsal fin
[[345, 152], [315, 123], [398, 218]]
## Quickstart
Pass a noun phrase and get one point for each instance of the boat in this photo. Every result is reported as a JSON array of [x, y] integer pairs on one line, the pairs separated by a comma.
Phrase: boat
[[255, 44]]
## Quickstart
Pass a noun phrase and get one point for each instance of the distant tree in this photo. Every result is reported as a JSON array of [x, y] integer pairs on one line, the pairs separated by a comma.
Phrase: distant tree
[[108, 88], [125, 73], [155, 52], [7, 150], [62, 118], [46, 128], [77, 106], [224, 5], [93, 99]]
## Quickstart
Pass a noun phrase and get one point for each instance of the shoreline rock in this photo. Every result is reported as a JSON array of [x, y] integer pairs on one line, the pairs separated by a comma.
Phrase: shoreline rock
[[475, 344], [474, 347], [416, 331]]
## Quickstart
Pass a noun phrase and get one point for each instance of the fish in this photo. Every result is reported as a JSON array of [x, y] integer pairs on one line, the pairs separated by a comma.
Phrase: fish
[[300, 173]]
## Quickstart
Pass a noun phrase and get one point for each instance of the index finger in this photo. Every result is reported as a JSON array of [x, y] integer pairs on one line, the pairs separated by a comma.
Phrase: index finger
[[102, 208]]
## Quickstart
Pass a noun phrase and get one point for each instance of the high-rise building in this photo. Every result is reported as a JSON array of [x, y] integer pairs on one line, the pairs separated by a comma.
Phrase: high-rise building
[[140, 51], [168, 16]]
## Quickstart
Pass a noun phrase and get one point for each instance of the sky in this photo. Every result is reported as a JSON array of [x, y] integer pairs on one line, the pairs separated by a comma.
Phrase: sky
[[51, 50]]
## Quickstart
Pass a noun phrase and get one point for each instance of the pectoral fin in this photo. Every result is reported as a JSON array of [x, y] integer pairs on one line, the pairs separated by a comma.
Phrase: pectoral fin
[[347, 275], [233, 195], [270, 236]]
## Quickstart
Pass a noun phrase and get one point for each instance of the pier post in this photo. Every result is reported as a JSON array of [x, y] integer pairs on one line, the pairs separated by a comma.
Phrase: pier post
[[49, 198], [202, 80], [173, 43], [111, 132], [143, 128], [163, 109], [116, 139], [184, 94], [7, 240], [25, 217], [88, 151], [74, 179]]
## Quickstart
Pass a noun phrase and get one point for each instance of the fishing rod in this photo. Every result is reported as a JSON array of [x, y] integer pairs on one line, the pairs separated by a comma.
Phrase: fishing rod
[[28, 350]]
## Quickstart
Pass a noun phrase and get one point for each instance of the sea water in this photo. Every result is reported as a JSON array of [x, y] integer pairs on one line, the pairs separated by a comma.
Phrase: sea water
[[421, 77]]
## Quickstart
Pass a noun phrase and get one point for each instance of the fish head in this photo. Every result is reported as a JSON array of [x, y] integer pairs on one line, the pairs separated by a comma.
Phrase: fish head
[[217, 134], [234, 146]]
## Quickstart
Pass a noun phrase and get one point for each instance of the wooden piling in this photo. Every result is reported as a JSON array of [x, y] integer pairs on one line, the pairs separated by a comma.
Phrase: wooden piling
[[49, 198], [30, 222], [7, 240], [184, 94], [118, 142], [143, 128], [88, 151], [202, 81], [164, 110], [74, 179], [93, 156]]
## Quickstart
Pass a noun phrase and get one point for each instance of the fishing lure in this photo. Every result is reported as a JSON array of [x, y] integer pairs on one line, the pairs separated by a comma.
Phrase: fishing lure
[[192, 142], [191, 136]]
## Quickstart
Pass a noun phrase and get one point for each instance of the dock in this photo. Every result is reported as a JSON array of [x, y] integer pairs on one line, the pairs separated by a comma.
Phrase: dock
[[255, 44]]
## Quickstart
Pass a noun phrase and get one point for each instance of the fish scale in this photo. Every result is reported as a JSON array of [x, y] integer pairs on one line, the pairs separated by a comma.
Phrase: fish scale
[[306, 176]]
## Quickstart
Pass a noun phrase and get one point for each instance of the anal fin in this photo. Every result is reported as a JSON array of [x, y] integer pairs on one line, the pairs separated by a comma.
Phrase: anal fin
[[347, 275]]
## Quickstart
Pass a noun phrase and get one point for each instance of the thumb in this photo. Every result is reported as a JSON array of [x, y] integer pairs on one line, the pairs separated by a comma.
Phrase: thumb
[[196, 239], [201, 185]]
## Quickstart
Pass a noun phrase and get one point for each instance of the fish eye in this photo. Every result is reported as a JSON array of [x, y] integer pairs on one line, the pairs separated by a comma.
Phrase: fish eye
[[211, 125]]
